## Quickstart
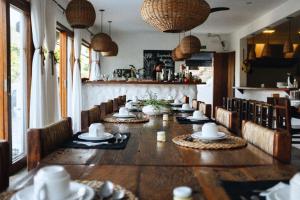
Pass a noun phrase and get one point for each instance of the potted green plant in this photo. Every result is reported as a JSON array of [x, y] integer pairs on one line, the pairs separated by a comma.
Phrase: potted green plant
[[153, 106]]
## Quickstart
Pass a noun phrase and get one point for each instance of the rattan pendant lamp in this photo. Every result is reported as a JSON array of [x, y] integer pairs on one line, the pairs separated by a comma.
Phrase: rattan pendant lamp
[[114, 49], [267, 49], [252, 53], [80, 14], [175, 16], [179, 54], [101, 42], [190, 45], [288, 44]]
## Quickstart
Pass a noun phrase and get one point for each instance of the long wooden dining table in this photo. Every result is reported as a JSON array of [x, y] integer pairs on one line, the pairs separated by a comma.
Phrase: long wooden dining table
[[151, 169]]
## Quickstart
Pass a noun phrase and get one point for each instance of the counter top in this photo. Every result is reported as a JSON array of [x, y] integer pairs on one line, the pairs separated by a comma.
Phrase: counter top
[[140, 82], [241, 89]]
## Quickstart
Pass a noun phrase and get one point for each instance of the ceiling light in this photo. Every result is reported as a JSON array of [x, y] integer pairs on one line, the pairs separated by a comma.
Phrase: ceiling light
[[269, 31]]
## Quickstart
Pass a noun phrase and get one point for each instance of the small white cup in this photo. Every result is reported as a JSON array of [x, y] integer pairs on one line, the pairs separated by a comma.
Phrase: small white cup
[[209, 130], [96, 129], [129, 105], [182, 192], [295, 187], [135, 99], [161, 136], [198, 114], [169, 98], [165, 117], [123, 111], [52, 182], [176, 101], [186, 106]]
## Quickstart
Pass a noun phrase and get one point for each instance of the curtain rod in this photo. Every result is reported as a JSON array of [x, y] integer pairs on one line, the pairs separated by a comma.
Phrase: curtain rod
[[64, 10]]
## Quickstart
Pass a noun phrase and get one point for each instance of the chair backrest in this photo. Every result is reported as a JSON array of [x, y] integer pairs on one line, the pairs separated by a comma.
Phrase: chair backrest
[[109, 107], [278, 144], [122, 100], [103, 110], [195, 104], [4, 165], [205, 108], [282, 109], [89, 117], [185, 99], [115, 105], [263, 115], [229, 119], [41, 142]]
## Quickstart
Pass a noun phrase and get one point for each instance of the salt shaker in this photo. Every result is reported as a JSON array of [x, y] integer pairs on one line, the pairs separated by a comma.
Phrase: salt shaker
[[182, 193]]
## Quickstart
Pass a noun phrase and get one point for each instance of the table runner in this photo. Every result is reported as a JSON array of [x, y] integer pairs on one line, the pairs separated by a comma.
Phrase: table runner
[[111, 145], [184, 120], [236, 189]]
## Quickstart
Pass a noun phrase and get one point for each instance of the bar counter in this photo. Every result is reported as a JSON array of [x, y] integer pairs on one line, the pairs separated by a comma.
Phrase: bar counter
[[95, 92]]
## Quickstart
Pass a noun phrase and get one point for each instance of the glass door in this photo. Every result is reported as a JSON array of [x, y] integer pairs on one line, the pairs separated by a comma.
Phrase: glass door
[[17, 81]]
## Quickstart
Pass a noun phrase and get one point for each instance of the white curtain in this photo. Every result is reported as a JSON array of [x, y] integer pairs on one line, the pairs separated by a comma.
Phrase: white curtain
[[76, 100], [95, 66], [69, 77], [37, 100], [52, 96]]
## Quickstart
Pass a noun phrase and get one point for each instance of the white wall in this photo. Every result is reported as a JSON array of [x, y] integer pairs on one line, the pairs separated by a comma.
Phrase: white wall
[[131, 46]]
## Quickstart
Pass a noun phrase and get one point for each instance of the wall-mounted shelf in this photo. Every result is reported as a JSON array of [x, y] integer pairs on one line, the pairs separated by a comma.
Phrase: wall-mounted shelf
[[241, 89]]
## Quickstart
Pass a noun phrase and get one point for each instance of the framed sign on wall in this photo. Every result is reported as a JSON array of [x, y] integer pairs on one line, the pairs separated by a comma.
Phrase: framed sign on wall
[[151, 57]]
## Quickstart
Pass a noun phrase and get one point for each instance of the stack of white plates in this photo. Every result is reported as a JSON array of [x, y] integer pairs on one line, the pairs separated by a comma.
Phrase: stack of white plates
[[200, 136]]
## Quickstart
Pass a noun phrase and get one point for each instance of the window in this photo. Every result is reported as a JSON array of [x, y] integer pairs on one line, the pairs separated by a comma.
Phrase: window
[[18, 82], [85, 61]]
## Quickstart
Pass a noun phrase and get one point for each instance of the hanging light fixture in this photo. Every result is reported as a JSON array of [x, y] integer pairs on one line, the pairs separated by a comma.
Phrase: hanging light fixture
[[267, 48], [252, 53], [288, 45], [174, 55], [174, 16], [114, 49], [101, 42], [178, 53], [190, 45], [80, 14]]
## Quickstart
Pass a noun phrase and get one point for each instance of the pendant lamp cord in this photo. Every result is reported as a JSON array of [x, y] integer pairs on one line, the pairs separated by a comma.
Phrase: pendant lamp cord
[[101, 20], [109, 26]]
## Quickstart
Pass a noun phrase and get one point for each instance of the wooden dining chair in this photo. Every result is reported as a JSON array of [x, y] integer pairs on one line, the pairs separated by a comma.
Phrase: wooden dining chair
[[274, 142], [282, 115], [195, 104], [228, 119], [4, 165], [263, 114], [116, 105], [89, 117], [123, 99], [205, 108], [43, 141], [109, 107], [103, 113], [185, 99]]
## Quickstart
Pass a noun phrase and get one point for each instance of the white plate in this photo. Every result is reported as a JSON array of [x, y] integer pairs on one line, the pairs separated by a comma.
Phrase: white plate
[[176, 104], [87, 136], [26, 193], [117, 115], [191, 109], [197, 119], [280, 194], [198, 135]]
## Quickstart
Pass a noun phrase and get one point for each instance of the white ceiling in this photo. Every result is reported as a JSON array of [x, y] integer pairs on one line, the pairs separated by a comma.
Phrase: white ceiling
[[125, 14]]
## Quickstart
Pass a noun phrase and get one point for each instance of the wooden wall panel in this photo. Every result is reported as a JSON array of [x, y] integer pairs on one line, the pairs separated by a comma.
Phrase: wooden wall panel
[[63, 73]]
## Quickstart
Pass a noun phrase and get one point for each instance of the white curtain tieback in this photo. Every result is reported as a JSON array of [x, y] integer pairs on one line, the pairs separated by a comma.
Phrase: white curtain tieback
[[53, 61]]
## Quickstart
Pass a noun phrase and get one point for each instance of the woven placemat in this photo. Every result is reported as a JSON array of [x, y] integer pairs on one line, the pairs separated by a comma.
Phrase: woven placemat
[[230, 142], [126, 120], [93, 184]]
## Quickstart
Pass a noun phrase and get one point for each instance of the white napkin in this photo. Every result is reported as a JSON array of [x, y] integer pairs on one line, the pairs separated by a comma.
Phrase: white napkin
[[272, 189]]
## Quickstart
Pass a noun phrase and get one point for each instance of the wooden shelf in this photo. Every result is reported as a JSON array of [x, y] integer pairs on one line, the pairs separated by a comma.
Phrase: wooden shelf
[[241, 89]]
